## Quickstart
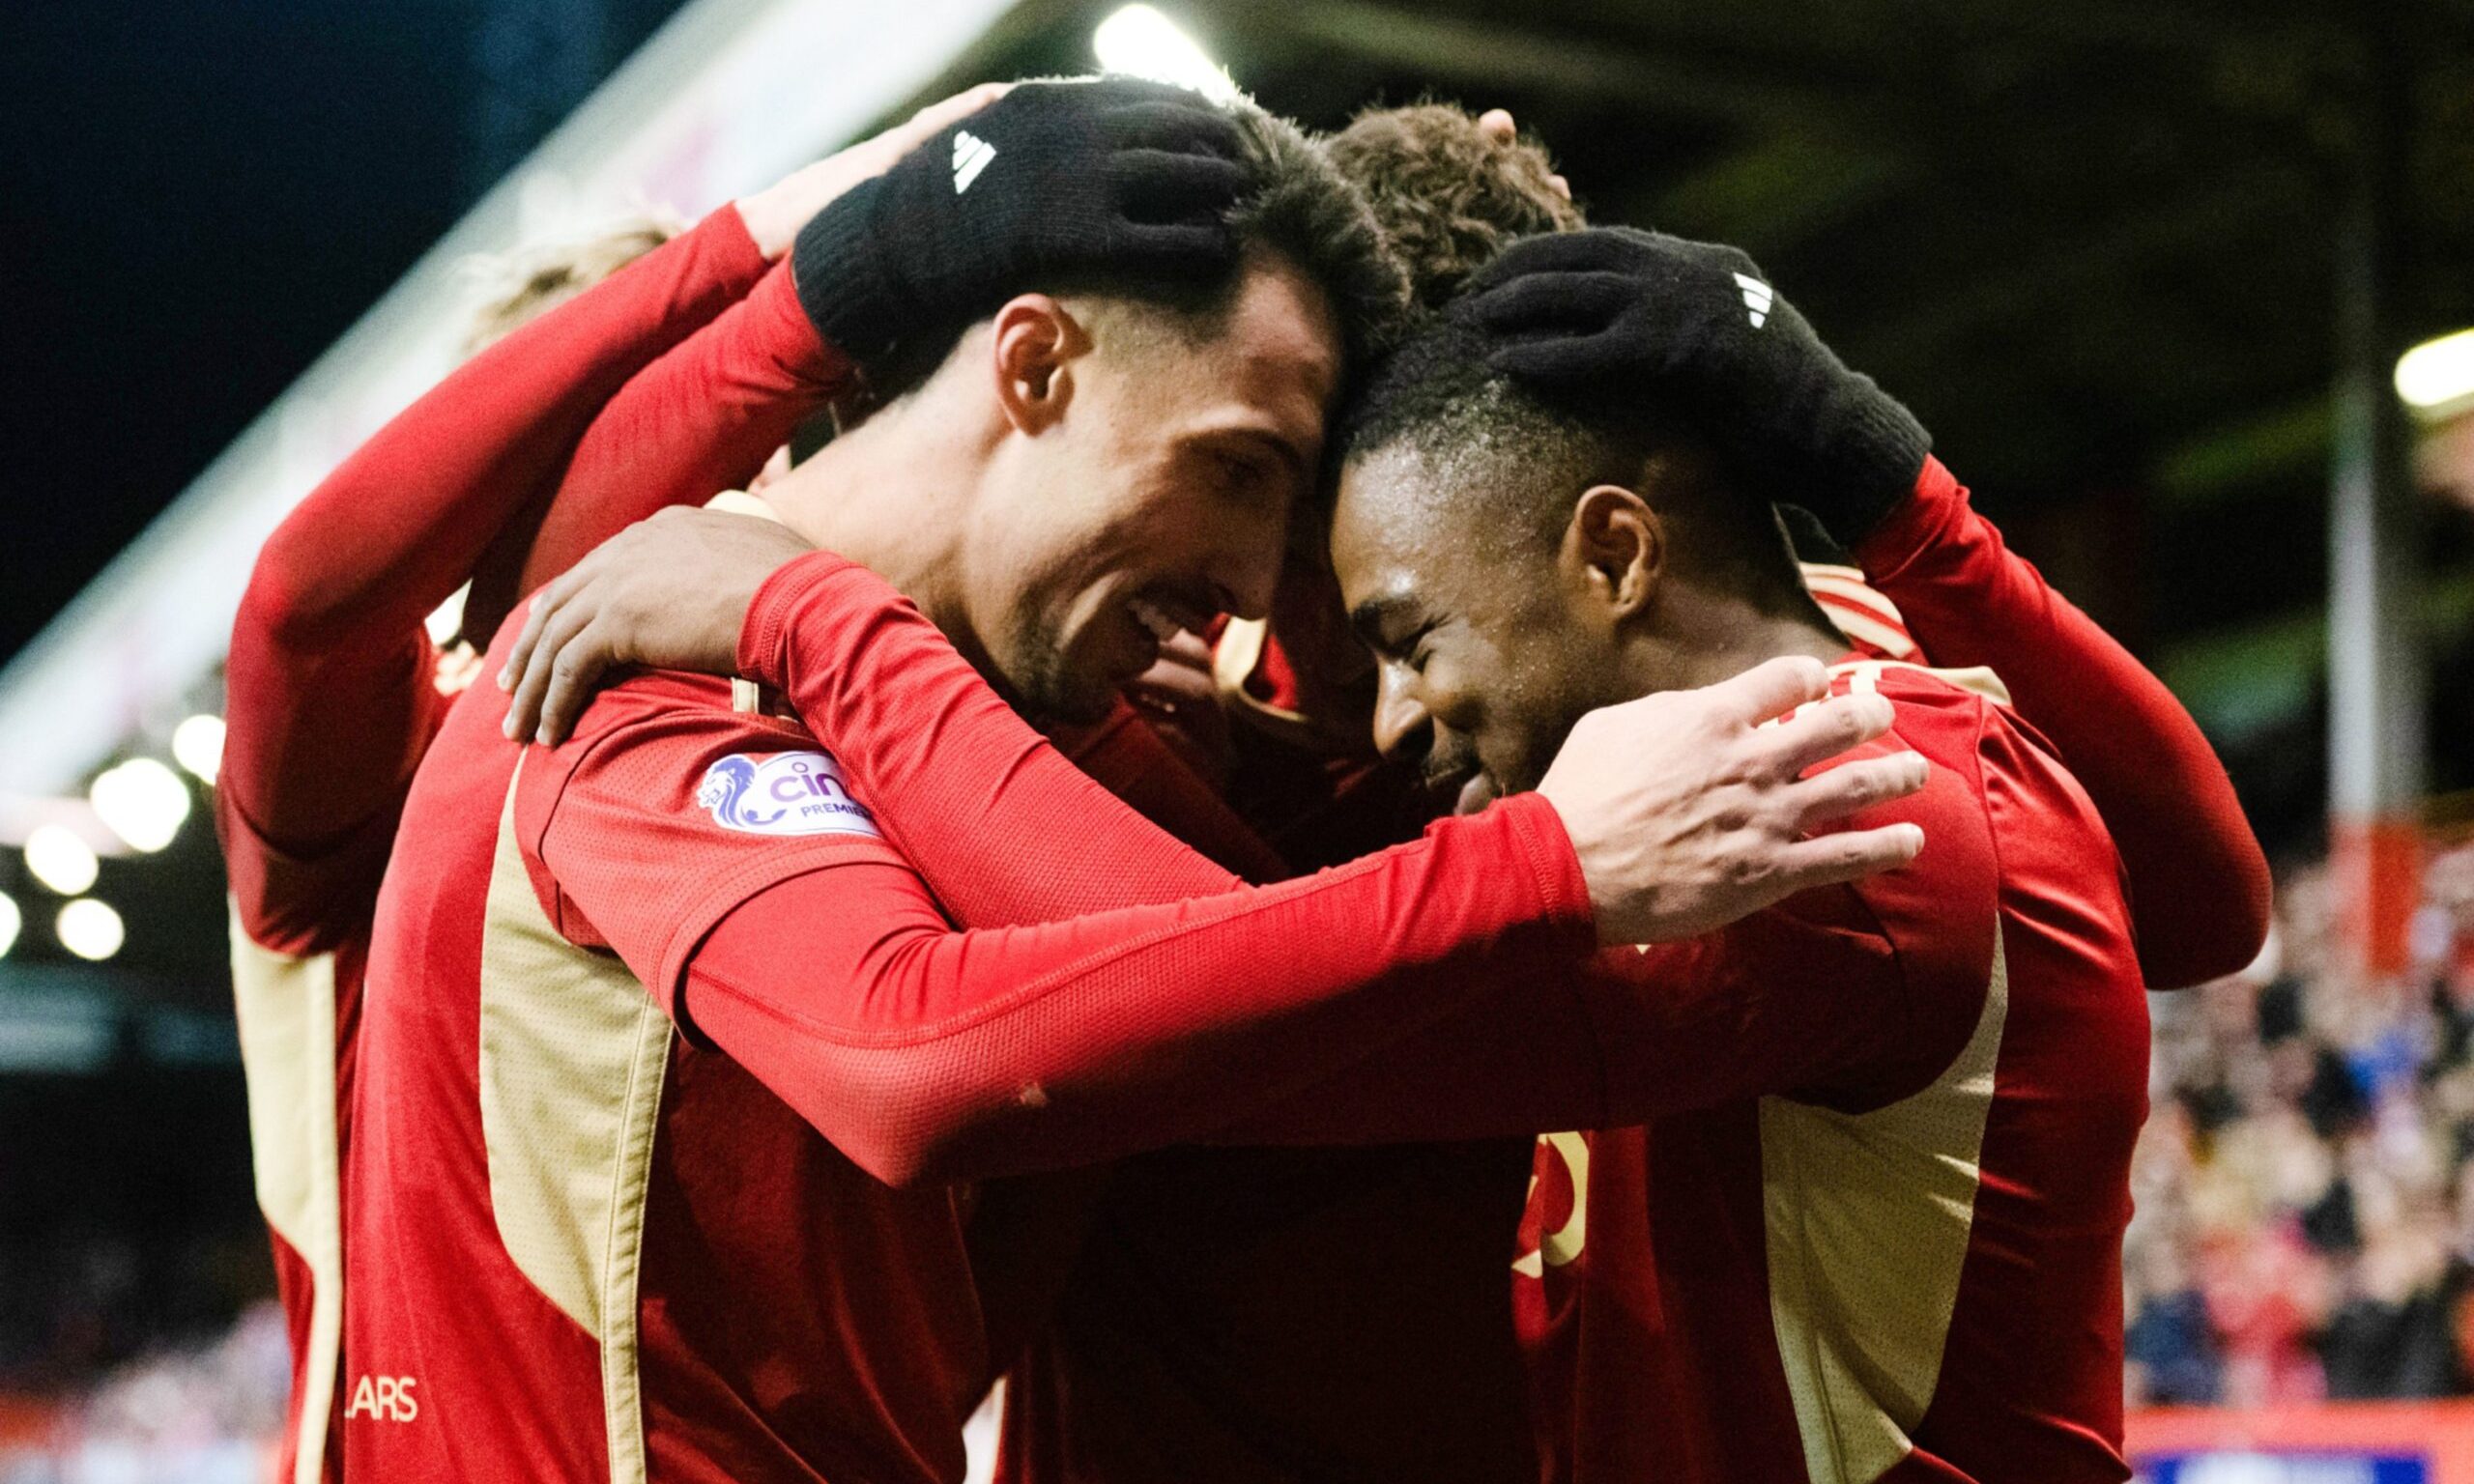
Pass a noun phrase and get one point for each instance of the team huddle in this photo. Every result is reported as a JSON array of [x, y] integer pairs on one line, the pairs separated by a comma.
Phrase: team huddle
[[1192, 768]]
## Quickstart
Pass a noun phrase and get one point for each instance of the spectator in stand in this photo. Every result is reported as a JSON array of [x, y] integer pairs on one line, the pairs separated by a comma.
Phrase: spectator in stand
[[2305, 1181]]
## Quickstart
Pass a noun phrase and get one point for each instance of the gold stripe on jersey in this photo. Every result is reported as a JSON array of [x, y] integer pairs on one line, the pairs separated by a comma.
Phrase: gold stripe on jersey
[[1863, 630], [1559, 1247], [1868, 1216], [573, 1053], [286, 1007], [1849, 584], [1864, 678]]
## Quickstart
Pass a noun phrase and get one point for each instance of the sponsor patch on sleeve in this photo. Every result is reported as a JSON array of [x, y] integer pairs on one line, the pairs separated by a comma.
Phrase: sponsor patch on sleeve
[[783, 793]]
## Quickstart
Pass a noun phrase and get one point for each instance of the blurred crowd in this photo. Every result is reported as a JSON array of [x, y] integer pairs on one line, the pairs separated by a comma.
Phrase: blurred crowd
[[2305, 1184], [197, 1414]]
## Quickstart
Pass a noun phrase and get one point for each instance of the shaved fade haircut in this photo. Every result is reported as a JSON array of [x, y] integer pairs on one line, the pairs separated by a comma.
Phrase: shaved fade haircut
[[1514, 460]]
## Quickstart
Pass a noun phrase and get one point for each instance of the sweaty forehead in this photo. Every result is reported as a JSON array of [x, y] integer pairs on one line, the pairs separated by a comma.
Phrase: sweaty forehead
[[1397, 531]]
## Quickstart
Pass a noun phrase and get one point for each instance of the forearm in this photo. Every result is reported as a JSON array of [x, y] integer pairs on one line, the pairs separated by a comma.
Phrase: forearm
[[1003, 827], [701, 420], [930, 1054], [2199, 883], [329, 700], [1631, 1035]]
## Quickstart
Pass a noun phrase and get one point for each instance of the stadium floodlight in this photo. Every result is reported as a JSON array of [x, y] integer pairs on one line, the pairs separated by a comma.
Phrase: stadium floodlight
[[90, 929], [10, 921], [59, 858], [197, 745], [143, 801], [2436, 378], [1141, 43]]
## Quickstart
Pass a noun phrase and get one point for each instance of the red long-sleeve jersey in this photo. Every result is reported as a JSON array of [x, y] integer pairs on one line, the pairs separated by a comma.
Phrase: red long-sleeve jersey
[[1893, 1120], [2199, 883], [595, 1247], [1327, 1305], [331, 698]]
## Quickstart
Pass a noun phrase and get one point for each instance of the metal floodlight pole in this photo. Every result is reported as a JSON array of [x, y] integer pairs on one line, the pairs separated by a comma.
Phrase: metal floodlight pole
[[2376, 732]]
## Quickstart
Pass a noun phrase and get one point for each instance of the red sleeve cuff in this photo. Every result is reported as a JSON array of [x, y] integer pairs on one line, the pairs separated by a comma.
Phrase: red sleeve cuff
[[1915, 525], [735, 262], [1554, 867], [788, 338], [763, 636]]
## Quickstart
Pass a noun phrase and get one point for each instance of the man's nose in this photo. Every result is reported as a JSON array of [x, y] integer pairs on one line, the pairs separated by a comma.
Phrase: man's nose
[[1401, 725], [1247, 575]]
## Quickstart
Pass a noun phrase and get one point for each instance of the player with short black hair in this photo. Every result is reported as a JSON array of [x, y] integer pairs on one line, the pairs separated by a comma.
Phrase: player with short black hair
[[668, 1050]]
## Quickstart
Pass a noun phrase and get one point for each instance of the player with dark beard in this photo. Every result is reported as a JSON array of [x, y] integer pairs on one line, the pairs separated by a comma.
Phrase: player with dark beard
[[1852, 1203], [666, 1052], [1965, 572]]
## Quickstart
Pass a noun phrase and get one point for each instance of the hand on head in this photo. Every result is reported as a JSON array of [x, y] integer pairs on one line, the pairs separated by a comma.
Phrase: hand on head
[[1497, 124], [1049, 179], [1699, 326], [774, 216]]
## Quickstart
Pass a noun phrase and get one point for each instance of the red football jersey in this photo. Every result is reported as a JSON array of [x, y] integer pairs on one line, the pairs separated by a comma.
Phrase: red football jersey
[[1874, 1231], [587, 1247], [331, 700]]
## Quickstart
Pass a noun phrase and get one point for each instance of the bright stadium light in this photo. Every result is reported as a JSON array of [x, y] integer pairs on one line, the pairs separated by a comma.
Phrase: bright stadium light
[[90, 929], [60, 860], [1141, 43], [2436, 378], [143, 801], [197, 745], [10, 921]]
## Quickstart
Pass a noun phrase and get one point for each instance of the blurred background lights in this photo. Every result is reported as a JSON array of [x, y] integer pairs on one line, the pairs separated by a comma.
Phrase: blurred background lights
[[10, 921], [2436, 376], [60, 860], [1141, 43], [197, 745], [90, 929], [143, 801]]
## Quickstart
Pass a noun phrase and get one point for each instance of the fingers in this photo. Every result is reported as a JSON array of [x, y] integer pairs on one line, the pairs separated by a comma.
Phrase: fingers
[[1769, 689], [1190, 242], [1497, 124], [1548, 302], [1551, 357], [1164, 185], [544, 657], [937, 115], [1598, 249], [1185, 128], [545, 603], [1815, 735], [1851, 855], [1831, 796], [575, 674]]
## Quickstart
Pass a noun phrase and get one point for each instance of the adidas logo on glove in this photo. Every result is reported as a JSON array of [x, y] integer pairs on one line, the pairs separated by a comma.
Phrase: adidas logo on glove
[[1757, 295], [971, 154]]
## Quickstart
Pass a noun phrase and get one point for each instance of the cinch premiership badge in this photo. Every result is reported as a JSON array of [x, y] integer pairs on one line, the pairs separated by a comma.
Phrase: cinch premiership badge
[[787, 793]]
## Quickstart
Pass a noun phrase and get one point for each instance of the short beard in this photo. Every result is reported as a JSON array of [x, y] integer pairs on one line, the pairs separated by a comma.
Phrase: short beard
[[1045, 688]]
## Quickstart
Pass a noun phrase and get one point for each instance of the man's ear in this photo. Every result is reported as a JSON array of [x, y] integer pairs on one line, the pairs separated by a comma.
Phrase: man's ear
[[1615, 549], [1035, 344]]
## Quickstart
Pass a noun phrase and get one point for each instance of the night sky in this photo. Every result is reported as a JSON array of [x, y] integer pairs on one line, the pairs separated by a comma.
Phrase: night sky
[[199, 196]]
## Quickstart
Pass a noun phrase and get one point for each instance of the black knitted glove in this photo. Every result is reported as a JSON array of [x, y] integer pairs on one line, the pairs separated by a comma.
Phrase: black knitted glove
[[1050, 180], [1617, 310]]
